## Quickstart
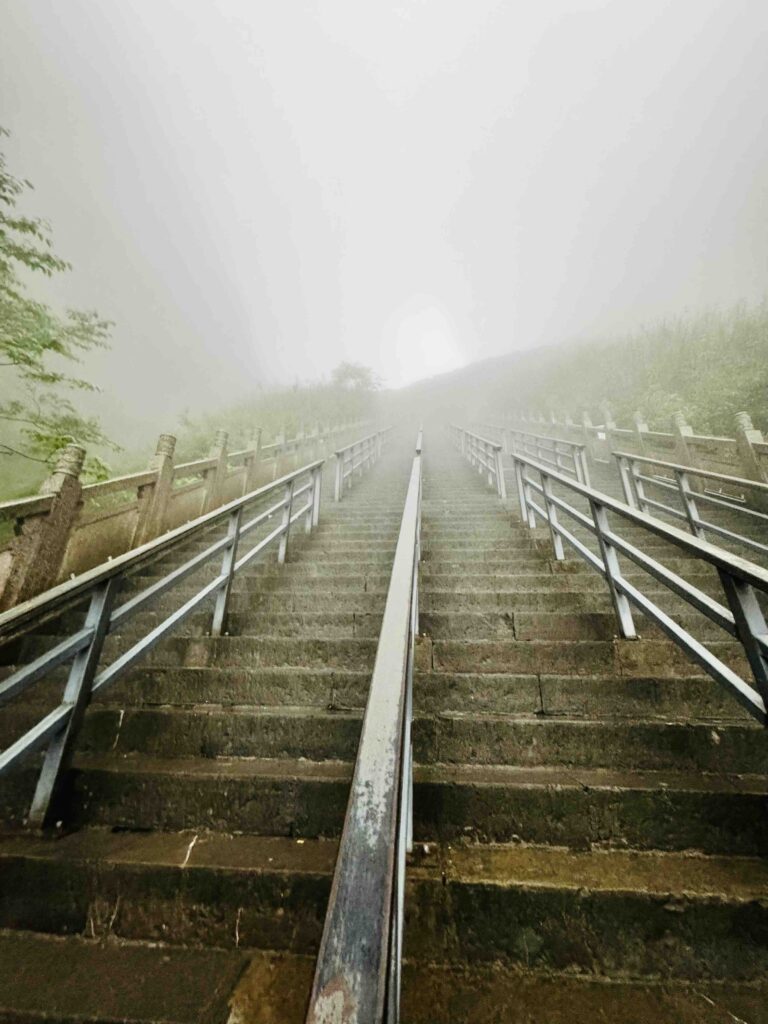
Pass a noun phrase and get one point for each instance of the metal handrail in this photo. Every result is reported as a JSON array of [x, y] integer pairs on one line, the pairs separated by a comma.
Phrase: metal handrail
[[634, 481], [568, 457], [485, 455], [740, 579], [356, 458], [58, 730], [357, 977]]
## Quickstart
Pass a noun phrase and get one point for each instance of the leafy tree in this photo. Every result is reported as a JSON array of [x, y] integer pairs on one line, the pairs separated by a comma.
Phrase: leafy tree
[[38, 346], [354, 377]]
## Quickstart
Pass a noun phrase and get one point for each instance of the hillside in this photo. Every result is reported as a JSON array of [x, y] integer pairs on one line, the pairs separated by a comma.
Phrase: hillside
[[709, 365]]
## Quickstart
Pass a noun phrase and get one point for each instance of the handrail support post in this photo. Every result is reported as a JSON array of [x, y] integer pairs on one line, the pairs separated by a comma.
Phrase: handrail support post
[[286, 523], [612, 571], [228, 571], [750, 624], [77, 693], [689, 503]]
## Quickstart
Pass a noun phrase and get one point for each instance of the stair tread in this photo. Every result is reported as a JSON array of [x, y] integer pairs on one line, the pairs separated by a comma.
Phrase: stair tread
[[74, 979]]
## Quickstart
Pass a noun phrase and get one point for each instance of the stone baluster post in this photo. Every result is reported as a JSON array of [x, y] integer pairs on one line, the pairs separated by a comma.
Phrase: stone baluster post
[[588, 434], [251, 463], [684, 452], [640, 426], [277, 465], [154, 497], [36, 554], [751, 466], [609, 427], [214, 477]]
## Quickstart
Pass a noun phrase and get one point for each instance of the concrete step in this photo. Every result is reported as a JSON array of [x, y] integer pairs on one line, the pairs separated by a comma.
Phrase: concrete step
[[591, 913], [688, 698], [77, 980], [535, 625], [573, 807], [552, 578], [658, 658], [212, 731], [490, 994]]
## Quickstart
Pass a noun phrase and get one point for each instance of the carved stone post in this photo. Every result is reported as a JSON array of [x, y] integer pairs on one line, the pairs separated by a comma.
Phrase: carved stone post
[[751, 466], [251, 464], [588, 434], [153, 497], [37, 552], [640, 427], [683, 451], [609, 427], [214, 477], [279, 462]]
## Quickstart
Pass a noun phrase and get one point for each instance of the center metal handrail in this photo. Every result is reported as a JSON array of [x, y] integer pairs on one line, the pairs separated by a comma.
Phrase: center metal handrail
[[741, 581], [356, 458], [688, 483], [485, 455], [57, 731], [357, 977]]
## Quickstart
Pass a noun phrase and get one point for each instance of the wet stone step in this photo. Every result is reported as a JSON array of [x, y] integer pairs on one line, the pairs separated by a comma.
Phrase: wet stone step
[[569, 908], [583, 657], [573, 807], [75, 980], [318, 734]]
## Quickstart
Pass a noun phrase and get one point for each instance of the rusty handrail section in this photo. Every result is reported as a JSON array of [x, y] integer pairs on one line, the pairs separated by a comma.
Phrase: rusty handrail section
[[357, 977]]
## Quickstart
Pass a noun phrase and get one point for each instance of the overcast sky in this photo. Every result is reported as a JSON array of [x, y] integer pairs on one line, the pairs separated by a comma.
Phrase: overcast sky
[[257, 190]]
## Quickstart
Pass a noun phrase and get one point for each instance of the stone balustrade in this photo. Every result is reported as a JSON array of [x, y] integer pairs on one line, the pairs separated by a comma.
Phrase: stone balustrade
[[744, 455], [69, 527]]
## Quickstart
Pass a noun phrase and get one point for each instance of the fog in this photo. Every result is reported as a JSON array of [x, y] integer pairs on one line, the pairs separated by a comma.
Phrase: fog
[[254, 192]]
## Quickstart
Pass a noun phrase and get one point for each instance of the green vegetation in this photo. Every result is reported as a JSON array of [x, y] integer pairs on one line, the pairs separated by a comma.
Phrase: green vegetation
[[708, 365], [349, 395], [37, 349]]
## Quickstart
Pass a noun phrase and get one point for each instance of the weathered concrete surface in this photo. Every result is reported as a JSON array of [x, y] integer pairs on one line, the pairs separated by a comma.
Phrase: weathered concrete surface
[[614, 796], [589, 812], [69, 980], [198, 778]]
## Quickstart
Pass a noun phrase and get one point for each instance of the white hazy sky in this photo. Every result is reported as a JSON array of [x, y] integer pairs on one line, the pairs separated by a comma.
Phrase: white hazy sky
[[257, 190]]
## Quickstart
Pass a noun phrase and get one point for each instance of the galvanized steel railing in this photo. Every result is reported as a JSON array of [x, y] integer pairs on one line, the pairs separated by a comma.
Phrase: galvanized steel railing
[[689, 485], [299, 497], [357, 977], [355, 458], [485, 455], [569, 457], [743, 583]]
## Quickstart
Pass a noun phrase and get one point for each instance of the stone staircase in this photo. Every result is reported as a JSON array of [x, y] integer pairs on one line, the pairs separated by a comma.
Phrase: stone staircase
[[209, 789], [594, 808], [590, 813]]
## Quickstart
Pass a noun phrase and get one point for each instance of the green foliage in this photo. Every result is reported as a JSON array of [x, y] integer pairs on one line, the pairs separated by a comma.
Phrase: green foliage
[[38, 346], [708, 365], [354, 377], [351, 394]]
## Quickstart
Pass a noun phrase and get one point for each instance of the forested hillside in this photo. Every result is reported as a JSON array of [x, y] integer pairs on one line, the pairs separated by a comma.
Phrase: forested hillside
[[709, 365]]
